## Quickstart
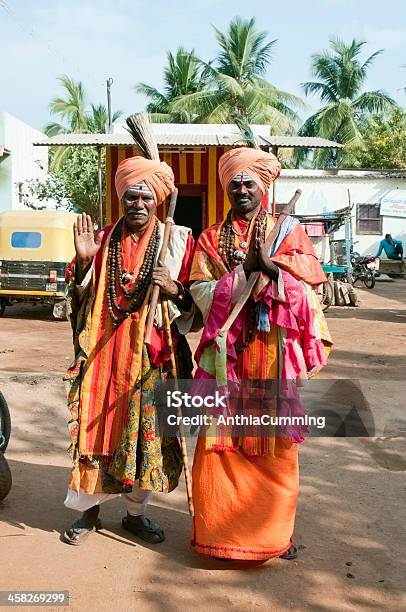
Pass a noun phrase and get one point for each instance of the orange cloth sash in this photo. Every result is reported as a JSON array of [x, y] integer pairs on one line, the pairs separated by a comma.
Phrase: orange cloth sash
[[114, 362]]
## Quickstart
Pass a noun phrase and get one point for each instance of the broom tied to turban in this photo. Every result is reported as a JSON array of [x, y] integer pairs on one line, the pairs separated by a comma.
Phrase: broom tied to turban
[[140, 129]]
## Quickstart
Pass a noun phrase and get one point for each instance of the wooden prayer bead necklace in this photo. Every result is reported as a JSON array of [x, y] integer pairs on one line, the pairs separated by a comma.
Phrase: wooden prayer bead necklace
[[116, 276], [231, 255]]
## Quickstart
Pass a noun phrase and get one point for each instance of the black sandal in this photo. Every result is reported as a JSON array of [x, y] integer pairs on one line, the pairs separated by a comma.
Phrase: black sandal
[[77, 534], [144, 528], [290, 554]]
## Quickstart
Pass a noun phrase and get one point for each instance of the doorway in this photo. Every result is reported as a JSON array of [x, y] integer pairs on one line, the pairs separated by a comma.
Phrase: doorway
[[189, 208]]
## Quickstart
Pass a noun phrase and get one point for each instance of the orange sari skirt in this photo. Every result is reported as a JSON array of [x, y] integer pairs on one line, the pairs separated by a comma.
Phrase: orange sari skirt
[[245, 505]]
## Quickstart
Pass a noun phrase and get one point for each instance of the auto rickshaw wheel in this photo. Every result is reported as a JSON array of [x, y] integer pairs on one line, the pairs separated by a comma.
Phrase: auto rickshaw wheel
[[3, 304], [5, 477], [5, 423]]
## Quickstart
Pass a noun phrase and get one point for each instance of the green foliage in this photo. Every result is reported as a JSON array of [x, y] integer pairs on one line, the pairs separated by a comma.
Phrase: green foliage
[[383, 143], [340, 78], [76, 116], [183, 75], [79, 175], [73, 180], [231, 86], [50, 189], [73, 186]]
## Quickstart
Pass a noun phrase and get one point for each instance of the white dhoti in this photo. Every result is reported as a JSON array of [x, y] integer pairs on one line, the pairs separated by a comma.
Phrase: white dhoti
[[136, 501]]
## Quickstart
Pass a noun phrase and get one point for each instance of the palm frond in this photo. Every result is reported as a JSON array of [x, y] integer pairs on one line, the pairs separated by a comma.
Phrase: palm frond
[[374, 102], [325, 91], [370, 59], [53, 129], [72, 106]]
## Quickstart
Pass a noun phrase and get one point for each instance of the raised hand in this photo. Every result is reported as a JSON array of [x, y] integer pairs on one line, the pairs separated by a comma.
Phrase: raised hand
[[87, 244]]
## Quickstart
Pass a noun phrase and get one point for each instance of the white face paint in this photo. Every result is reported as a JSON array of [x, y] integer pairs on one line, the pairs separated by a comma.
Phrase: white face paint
[[140, 188], [242, 176], [244, 194], [138, 206]]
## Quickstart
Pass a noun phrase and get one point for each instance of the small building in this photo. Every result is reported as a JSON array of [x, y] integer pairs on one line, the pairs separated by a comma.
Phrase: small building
[[19, 160], [193, 152], [377, 198]]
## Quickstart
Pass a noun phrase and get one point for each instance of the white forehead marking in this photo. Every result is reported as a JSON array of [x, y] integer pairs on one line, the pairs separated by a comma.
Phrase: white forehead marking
[[142, 187], [242, 176]]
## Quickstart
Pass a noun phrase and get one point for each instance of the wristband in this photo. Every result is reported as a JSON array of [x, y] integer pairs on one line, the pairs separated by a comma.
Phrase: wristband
[[182, 292]]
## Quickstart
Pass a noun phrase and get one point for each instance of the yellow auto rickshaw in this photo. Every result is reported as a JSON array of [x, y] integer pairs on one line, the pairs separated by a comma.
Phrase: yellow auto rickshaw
[[36, 246]]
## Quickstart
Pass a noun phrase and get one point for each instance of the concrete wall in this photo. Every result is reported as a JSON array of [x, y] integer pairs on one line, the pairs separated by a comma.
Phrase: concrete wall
[[24, 163], [323, 192]]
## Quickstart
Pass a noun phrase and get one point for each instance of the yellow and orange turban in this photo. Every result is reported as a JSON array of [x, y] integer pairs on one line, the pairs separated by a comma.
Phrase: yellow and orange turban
[[157, 175], [262, 167]]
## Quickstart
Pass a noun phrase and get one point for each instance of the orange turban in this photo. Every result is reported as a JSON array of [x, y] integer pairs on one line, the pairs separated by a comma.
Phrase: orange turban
[[262, 167], [157, 175]]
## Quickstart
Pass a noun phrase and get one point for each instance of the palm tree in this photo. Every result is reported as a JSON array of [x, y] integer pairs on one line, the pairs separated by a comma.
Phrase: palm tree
[[341, 76], [72, 110], [236, 83], [97, 119], [182, 76]]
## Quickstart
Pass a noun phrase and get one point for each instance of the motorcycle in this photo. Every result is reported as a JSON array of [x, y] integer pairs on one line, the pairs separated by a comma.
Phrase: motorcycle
[[364, 268], [5, 430]]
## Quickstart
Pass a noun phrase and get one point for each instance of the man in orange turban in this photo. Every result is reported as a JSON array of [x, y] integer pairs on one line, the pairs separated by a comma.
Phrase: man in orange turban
[[260, 166], [245, 478], [117, 447]]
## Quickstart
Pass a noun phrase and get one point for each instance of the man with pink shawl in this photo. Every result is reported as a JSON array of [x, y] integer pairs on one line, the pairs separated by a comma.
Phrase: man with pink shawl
[[245, 481]]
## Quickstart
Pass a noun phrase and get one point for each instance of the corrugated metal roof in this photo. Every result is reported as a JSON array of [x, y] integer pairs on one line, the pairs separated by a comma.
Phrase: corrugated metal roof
[[190, 134]]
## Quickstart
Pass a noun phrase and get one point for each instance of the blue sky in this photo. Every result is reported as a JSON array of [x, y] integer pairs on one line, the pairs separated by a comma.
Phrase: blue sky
[[128, 40]]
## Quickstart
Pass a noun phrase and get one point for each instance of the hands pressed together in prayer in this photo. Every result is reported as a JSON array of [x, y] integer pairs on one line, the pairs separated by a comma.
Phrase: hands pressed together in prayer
[[258, 260]]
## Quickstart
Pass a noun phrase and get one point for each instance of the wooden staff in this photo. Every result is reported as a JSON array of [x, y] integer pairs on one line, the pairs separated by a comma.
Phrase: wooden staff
[[140, 129], [161, 259], [174, 373]]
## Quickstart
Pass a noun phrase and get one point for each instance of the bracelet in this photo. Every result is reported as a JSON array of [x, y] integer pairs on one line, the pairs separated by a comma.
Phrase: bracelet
[[182, 292]]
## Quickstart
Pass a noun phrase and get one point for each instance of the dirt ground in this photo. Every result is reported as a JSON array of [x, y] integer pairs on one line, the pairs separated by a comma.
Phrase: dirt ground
[[351, 516]]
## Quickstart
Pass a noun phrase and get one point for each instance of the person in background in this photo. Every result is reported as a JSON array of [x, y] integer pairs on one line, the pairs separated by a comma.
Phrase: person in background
[[393, 248]]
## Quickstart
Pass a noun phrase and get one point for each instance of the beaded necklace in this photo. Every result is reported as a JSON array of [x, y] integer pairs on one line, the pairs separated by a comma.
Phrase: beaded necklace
[[233, 254], [117, 278]]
